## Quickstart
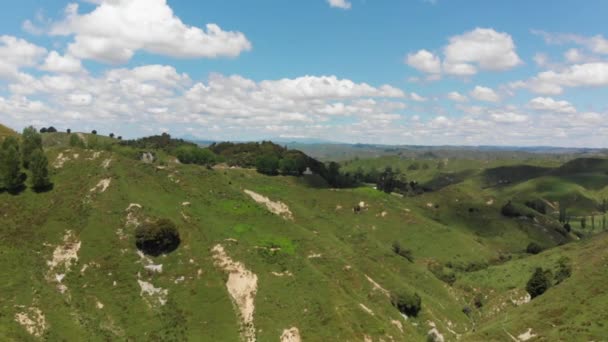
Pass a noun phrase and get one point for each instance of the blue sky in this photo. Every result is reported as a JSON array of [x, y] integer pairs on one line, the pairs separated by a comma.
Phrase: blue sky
[[398, 72]]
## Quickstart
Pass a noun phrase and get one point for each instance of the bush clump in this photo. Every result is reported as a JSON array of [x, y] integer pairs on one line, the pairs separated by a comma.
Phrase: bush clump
[[533, 248], [403, 252], [538, 283], [509, 210], [406, 302], [156, 238]]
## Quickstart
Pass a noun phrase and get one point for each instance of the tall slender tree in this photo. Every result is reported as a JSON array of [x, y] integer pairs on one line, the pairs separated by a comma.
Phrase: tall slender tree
[[10, 165], [31, 141], [39, 165]]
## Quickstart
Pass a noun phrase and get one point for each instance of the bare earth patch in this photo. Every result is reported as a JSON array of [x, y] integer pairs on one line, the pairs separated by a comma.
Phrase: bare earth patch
[[397, 324], [291, 335], [526, 335], [102, 186], [106, 163], [277, 208], [434, 334], [366, 309], [377, 286], [63, 257], [153, 294], [61, 159], [242, 286], [33, 320], [282, 274]]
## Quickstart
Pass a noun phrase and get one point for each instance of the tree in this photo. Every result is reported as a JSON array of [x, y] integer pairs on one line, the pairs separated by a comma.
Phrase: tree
[[119, 137], [406, 303], [538, 283], [156, 238], [406, 253], [267, 164], [94, 132], [11, 176], [51, 129], [288, 166], [39, 166], [43, 130], [386, 181], [509, 210], [111, 135], [68, 131], [31, 141], [583, 222]]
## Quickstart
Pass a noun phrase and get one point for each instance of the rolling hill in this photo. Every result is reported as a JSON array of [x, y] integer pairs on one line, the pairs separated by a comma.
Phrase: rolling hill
[[273, 258]]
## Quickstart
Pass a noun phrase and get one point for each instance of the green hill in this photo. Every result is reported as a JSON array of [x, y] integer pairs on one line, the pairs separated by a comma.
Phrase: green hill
[[6, 132], [260, 255]]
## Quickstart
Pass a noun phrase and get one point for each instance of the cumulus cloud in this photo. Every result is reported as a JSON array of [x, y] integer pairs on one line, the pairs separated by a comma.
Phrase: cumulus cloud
[[418, 98], [16, 53], [424, 61], [484, 48], [54, 62], [116, 29], [579, 75], [457, 97], [548, 104], [466, 54], [343, 4], [484, 94]]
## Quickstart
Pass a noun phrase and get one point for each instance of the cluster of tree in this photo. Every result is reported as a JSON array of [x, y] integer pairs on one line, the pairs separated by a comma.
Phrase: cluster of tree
[[542, 279], [156, 238], [188, 154], [162, 142], [29, 155], [49, 129], [533, 248]]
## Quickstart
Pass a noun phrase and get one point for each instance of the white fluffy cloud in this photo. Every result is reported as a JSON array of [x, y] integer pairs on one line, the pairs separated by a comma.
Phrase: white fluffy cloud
[[481, 48], [424, 61], [16, 53], [579, 75], [54, 62], [457, 97], [548, 104], [484, 94], [343, 4], [116, 29]]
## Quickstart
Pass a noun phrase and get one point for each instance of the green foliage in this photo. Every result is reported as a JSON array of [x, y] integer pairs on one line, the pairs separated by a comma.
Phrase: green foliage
[[93, 142], [538, 283], [11, 177], [406, 302], [31, 141], [162, 142], [195, 155], [533, 248], [156, 238], [447, 276], [564, 270], [267, 164], [537, 205], [40, 172], [75, 141]]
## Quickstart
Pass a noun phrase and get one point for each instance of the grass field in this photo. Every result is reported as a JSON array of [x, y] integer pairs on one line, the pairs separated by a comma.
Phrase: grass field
[[326, 272]]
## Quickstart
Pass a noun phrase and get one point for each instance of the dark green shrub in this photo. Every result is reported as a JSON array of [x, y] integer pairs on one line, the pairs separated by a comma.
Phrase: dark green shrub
[[406, 253], [533, 248], [509, 210], [538, 283], [156, 238], [564, 270], [406, 302]]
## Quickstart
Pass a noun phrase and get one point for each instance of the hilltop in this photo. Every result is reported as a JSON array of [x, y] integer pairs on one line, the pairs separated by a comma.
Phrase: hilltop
[[5, 132], [271, 256]]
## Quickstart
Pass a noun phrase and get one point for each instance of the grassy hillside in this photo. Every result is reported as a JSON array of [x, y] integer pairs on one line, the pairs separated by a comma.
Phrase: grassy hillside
[[316, 265], [5, 132]]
